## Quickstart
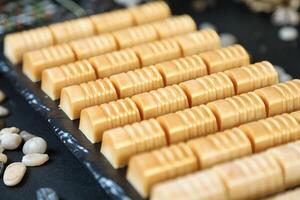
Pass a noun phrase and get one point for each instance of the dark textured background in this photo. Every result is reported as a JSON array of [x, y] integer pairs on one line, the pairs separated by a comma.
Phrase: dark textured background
[[67, 175]]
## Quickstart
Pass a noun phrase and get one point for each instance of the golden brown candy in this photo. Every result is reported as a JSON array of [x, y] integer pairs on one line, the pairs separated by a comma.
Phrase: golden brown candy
[[187, 124], [272, 131], [158, 51], [251, 77], [115, 62], [137, 81], [93, 46], [97, 119], [220, 147], [208, 88], [16, 44], [182, 69], [150, 12], [170, 27], [119, 144], [77, 97], [200, 41], [288, 157], [202, 185], [111, 21], [234, 111], [226, 58], [71, 30], [282, 97], [55, 79], [161, 101], [35, 62], [252, 177], [147, 169]]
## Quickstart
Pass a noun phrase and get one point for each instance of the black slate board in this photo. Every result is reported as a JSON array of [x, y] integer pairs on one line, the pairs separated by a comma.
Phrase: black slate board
[[227, 17]]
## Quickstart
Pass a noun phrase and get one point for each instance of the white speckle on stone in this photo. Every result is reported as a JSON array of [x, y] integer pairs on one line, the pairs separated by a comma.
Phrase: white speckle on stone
[[205, 25], [288, 33], [35, 159], [14, 173], [128, 3], [227, 39], [10, 141], [35, 145]]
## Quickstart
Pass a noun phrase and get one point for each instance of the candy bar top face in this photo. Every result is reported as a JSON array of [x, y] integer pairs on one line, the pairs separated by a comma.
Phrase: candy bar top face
[[35, 62], [111, 21], [150, 12], [16, 44], [225, 58], [169, 27], [71, 30]]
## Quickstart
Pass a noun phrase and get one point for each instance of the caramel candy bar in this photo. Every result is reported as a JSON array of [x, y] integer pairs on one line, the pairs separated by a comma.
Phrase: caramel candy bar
[[224, 59], [271, 132], [293, 194], [158, 51], [288, 157], [97, 119], [220, 147], [187, 124], [161, 101], [37, 61], [134, 36], [112, 21], [93, 46], [137, 81], [252, 177], [296, 115], [115, 62], [182, 69], [71, 30], [248, 78], [150, 12], [119, 144], [147, 169], [234, 111], [200, 41], [282, 97], [77, 97], [170, 27], [16, 44], [203, 185], [55, 79], [208, 88]]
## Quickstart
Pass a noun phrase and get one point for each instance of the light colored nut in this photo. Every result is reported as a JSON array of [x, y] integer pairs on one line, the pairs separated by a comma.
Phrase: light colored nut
[[3, 111], [35, 145], [36, 159], [3, 158], [9, 130], [14, 173], [10, 141], [26, 135]]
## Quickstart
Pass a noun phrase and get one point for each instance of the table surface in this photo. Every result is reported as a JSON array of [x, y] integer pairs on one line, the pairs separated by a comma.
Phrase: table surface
[[65, 174]]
